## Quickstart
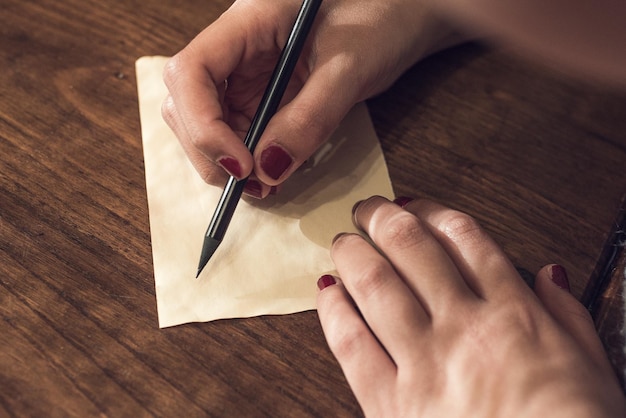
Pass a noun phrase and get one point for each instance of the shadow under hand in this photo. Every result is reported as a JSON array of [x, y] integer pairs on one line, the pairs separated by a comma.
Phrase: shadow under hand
[[321, 193]]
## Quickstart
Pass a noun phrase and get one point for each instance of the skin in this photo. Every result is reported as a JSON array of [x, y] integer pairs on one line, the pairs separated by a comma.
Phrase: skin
[[582, 38], [357, 48], [441, 324], [211, 121]]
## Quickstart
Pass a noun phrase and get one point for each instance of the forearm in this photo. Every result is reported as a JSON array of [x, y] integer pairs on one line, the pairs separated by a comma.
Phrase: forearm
[[587, 37]]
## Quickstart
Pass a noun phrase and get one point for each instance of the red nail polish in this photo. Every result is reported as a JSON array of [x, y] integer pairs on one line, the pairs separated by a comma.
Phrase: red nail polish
[[253, 188], [325, 281], [275, 161], [231, 166], [402, 201], [559, 277]]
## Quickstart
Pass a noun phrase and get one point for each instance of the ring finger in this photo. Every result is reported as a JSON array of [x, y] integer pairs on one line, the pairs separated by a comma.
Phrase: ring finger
[[387, 305], [415, 253]]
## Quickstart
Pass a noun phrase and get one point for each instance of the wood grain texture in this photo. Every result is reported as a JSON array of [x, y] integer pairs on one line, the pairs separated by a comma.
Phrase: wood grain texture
[[605, 294], [537, 159]]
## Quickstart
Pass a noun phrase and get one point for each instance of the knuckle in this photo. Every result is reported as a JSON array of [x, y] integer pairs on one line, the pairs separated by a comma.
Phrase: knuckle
[[402, 230], [460, 227], [577, 312], [210, 174], [173, 69], [347, 342], [367, 277], [168, 111], [305, 120], [197, 138], [499, 323], [371, 280], [517, 314], [202, 137]]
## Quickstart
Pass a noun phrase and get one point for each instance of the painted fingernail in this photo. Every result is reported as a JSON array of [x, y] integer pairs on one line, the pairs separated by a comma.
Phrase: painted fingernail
[[325, 281], [231, 166], [253, 188], [275, 161], [559, 277], [402, 201]]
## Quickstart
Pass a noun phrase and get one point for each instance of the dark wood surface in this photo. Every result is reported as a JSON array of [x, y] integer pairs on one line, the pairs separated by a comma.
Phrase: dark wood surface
[[538, 159]]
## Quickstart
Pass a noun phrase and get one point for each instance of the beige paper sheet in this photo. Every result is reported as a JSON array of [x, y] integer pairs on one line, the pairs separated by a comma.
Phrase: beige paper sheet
[[275, 249]]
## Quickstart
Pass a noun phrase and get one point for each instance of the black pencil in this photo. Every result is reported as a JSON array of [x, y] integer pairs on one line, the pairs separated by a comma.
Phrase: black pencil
[[267, 108]]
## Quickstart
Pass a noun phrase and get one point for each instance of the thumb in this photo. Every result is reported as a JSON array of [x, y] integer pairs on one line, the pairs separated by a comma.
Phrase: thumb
[[301, 126], [552, 288]]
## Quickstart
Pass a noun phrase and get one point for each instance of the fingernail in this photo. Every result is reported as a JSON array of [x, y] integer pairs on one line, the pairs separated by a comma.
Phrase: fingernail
[[339, 235], [275, 161], [231, 166], [253, 188], [559, 277], [325, 281], [354, 209], [402, 201]]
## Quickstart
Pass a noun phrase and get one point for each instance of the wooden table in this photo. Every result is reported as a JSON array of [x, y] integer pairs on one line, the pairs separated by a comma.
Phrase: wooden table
[[538, 160]]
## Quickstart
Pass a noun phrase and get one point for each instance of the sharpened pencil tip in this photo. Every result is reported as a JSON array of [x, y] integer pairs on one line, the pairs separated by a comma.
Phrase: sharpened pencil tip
[[208, 249]]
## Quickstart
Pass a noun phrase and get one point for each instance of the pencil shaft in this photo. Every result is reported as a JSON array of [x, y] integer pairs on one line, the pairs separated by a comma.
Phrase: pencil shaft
[[267, 108], [282, 72], [226, 208]]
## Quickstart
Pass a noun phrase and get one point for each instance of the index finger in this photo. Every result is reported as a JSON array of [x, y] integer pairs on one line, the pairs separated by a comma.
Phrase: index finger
[[194, 77], [481, 261]]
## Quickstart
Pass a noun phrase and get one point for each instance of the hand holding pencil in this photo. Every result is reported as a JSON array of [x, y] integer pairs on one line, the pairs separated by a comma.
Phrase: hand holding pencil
[[267, 108], [433, 320], [345, 61]]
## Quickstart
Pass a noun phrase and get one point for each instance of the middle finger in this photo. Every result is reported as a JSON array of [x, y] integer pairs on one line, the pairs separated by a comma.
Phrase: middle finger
[[392, 312], [415, 253]]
